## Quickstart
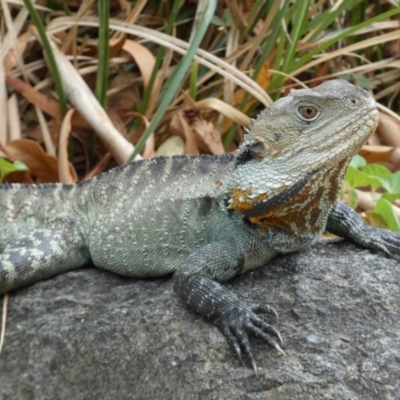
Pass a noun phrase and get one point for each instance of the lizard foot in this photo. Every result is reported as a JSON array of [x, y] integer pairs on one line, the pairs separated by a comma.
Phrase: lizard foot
[[346, 223], [382, 240], [241, 318]]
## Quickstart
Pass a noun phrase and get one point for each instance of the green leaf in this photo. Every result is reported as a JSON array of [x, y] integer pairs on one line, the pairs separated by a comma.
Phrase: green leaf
[[363, 81], [356, 178], [376, 170], [228, 20], [385, 209], [391, 196], [7, 167], [376, 219], [358, 161], [392, 183], [348, 196], [215, 20]]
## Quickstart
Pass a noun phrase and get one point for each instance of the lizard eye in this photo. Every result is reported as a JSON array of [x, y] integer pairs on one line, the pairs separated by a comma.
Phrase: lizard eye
[[308, 112]]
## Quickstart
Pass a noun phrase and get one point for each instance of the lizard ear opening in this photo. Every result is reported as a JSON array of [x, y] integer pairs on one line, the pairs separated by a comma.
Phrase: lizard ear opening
[[258, 151]]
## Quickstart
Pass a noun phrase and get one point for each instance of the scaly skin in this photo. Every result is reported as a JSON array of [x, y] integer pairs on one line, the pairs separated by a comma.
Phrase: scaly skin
[[204, 218]]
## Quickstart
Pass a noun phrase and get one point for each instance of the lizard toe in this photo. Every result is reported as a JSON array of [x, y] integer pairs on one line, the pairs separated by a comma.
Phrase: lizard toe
[[264, 308], [230, 337], [382, 240], [243, 340], [239, 321], [267, 329]]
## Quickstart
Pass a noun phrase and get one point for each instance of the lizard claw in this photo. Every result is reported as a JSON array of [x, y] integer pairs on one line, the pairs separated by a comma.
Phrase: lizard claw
[[265, 308], [238, 320], [254, 365], [346, 223], [377, 239]]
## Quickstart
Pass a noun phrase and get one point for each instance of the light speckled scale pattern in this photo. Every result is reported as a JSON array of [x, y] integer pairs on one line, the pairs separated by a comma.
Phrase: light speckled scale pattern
[[205, 218], [154, 237]]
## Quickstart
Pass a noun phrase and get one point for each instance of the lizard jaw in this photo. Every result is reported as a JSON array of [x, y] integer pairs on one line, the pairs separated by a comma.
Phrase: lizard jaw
[[294, 160]]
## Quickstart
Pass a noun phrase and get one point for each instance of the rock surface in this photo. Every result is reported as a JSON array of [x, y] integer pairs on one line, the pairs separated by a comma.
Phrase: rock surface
[[89, 334]]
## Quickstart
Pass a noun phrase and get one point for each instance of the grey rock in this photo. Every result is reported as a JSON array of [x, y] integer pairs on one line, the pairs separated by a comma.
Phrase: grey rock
[[89, 334]]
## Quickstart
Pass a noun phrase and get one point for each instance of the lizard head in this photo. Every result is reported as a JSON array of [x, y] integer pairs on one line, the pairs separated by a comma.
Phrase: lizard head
[[309, 133]]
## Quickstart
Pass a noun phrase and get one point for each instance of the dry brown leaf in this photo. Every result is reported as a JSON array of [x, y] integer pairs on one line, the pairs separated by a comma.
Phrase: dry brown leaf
[[64, 169], [124, 6], [46, 135], [84, 101], [47, 105], [396, 159], [209, 135], [121, 94], [162, 74], [389, 130], [13, 118], [366, 202], [145, 61], [116, 45], [224, 108], [99, 167], [392, 48], [78, 121], [322, 71], [149, 147], [374, 139], [143, 57], [377, 154], [179, 124], [215, 63], [263, 79], [371, 41], [3, 104], [11, 59], [174, 145], [117, 122], [40, 164], [236, 13]]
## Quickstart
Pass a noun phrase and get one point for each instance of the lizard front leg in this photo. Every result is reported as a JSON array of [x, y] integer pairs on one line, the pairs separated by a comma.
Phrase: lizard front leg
[[195, 281], [346, 223], [41, 254]]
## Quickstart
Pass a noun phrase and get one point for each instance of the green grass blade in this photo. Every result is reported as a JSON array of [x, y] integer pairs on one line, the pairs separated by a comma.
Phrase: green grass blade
[[103, 50], [309, 55], [49, 54], [299, 18], [267, 46], [180, 73], [194, 77], [160, 55], [327, 17]]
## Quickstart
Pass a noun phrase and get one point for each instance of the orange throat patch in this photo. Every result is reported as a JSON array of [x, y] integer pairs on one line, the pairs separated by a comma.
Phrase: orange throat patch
[[298, 210]]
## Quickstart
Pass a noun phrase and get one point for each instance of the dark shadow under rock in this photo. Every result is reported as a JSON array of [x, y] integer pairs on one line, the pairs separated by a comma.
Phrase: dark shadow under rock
[[89, 334]]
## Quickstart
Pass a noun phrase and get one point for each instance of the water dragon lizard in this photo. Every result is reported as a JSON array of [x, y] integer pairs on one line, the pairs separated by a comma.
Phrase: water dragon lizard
[[204, 218]]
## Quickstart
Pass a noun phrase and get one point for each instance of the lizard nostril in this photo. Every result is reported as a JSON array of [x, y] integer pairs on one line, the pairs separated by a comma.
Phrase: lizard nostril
[[352, 102]]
